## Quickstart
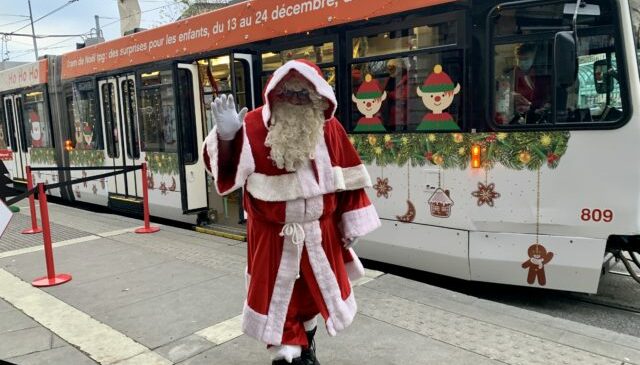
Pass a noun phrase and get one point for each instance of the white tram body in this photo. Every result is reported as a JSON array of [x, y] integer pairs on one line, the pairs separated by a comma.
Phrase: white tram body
[[552, 192]]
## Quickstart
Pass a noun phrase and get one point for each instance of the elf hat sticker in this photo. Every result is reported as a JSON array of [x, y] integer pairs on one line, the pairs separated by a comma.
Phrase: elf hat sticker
[[368, 100], [437, 94]]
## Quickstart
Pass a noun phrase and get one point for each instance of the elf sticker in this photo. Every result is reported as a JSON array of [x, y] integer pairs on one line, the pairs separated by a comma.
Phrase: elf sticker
[[437, 94], [368, 100]]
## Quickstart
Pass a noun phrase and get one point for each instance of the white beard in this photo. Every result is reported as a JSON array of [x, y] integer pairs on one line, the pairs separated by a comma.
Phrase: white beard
[[294, 134]]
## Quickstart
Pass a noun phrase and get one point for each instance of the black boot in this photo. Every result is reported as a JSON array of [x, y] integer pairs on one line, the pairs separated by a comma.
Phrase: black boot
[[309, 354]]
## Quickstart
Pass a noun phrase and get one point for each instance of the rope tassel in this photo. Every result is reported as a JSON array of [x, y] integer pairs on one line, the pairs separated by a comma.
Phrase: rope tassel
[[295, 232]]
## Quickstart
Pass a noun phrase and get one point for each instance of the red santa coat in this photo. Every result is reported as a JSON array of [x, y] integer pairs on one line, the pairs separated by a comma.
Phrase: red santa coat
[[309, 210]]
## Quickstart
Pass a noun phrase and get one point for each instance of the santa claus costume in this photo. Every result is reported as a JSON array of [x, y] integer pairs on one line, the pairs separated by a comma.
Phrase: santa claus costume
[[298, 218]]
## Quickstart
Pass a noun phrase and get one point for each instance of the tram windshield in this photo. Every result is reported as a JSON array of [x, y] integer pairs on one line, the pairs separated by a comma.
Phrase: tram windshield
[[523, 65]]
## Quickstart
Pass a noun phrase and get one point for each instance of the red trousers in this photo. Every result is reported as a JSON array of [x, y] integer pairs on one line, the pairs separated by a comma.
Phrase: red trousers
[[306, 303]]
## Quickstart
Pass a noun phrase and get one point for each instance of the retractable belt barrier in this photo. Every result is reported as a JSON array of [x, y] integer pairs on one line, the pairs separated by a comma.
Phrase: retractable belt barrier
[[51, 278]]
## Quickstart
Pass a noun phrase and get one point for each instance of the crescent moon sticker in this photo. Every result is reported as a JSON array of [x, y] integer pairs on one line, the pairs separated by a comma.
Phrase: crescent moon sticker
[[410, 215]]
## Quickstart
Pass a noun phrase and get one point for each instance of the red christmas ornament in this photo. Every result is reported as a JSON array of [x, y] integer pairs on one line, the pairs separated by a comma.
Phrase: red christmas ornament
[[428, 156]]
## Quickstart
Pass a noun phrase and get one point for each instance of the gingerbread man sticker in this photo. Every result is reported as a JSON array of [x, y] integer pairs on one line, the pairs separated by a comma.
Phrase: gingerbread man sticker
[[538, 257], [368, 100], [437, 94]]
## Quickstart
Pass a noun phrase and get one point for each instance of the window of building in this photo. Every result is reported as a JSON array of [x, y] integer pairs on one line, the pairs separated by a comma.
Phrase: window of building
[[525, 93], [407, 80], [158, 132], [81, 108]]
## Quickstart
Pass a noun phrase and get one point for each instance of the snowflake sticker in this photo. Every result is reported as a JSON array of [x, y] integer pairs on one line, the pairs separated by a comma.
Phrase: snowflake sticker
[[382, 187], [486, 194]]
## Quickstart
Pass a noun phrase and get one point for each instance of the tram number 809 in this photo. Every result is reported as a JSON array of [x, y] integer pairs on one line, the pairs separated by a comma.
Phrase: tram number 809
[[596, 215]]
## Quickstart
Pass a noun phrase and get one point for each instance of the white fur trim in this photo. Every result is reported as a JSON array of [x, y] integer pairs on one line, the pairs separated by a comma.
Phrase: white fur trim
[[274, 188], [355, 270], [322, 86], [287, 352], [351, 178], [341, 312], [311, 324], [246, 164], [253, 323], [358, 222], [282, 292]]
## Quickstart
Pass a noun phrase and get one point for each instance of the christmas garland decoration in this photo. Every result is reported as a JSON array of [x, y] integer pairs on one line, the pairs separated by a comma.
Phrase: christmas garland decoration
[[162, 162], [43, 156], [517, 150], [86, 157]]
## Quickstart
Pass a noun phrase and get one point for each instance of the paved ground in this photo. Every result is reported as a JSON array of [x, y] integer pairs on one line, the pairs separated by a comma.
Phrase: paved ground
[[175, 297]]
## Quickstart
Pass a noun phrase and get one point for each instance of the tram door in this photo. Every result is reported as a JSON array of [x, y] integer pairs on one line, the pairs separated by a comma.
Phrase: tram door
[[17, 137], [118, 107], [231, 75], [194, 196]]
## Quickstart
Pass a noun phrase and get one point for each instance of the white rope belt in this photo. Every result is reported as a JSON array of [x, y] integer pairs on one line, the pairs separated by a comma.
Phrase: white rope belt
[[295, 231]]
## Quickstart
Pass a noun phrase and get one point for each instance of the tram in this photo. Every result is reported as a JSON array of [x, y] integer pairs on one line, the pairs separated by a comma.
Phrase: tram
[[499, 136]]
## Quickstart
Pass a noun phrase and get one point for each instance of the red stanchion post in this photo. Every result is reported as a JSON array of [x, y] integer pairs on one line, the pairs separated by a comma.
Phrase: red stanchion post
[[32, 207], [51, 279], [145, 204]]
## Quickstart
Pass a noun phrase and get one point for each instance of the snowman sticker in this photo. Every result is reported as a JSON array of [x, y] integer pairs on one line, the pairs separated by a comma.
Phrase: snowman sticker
[[36, 130], [437, 94], [368, 100]]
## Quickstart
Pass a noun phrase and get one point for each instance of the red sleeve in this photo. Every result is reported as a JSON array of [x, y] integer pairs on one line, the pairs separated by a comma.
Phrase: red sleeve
[[229, 172], [357, 215]]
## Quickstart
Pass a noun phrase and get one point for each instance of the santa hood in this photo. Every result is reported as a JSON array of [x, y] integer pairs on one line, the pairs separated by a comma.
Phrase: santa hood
[[309, 71]]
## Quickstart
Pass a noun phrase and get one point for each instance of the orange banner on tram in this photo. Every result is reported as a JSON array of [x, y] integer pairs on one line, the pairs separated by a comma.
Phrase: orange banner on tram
[[30, 74], [241, 23]]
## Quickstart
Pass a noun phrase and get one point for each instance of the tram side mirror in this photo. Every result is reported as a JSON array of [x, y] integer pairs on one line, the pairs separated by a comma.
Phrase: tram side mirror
[[565, 59]]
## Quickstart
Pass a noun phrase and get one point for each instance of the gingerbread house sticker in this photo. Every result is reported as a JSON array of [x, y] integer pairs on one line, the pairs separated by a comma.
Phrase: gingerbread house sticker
[[440, 203]]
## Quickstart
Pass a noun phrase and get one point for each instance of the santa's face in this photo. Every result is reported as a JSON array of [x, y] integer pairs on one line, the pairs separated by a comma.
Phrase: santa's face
[[36, 132], [293, 89], [437, 102], [296, 123], [369, 107]]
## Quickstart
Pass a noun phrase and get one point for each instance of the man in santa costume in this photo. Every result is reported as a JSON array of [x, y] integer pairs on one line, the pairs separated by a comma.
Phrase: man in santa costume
[[304, 195]]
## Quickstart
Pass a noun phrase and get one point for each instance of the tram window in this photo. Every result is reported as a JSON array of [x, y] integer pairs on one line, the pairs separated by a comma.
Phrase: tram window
[[215, 79], [4, 131], [319, 54], [403, 40], [81, 107], [110, 124], [389, 94], [524, 90], [187, 117], [130, 118], [157, 110], [11, 122], [24, 139], [36, 121]]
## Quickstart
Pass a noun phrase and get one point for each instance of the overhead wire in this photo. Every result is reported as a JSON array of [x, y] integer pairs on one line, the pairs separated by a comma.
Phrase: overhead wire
[[69, 2]]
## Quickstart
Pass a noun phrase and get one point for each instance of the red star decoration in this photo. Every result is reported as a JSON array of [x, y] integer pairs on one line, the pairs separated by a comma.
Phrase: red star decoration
[[486, 194], [382, 187]]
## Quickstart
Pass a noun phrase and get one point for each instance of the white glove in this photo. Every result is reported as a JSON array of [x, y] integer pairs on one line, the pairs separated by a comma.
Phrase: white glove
[[349, 242], [229, 122]]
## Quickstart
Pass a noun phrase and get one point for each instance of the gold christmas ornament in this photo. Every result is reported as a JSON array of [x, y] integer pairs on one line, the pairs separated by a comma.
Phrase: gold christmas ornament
[[524, 157]]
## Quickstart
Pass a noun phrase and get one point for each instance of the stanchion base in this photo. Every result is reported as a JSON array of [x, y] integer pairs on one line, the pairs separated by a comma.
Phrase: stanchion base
[[32, 231], [56, 280], [151, 229]]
